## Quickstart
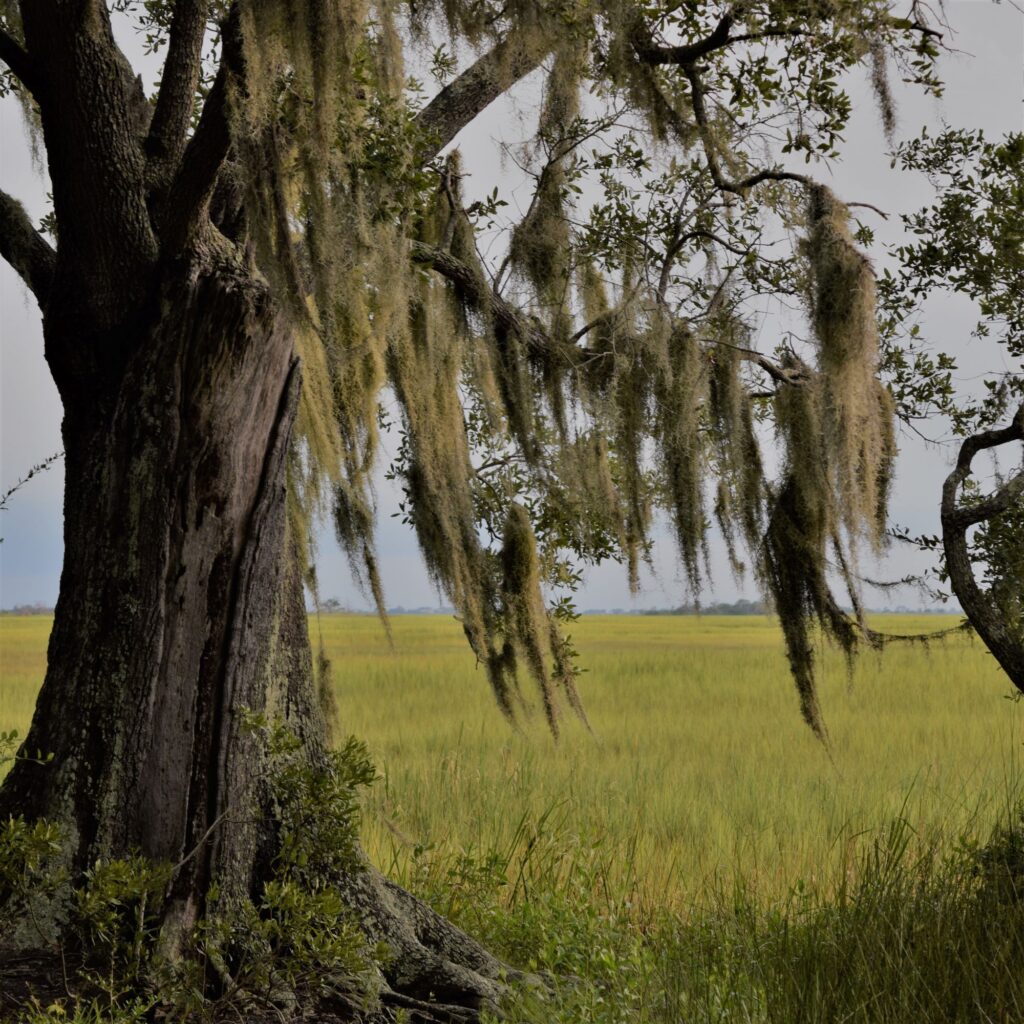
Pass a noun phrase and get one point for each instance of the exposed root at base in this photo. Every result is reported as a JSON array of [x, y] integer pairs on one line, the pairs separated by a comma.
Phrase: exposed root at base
[[436, 971]]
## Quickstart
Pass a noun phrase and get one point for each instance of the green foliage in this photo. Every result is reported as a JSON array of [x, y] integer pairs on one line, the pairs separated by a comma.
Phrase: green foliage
[[298, 935], [29, 851], [969, 241], [115, 918], [663, 851], [998, 545], [316, 805], [1000, 863], [75, 1010]]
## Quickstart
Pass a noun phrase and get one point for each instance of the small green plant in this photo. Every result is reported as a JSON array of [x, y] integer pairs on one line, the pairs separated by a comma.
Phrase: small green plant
[[316, 803], [1000, 863], [28, 851], [116, 917], [298, 934], [79, 1011]]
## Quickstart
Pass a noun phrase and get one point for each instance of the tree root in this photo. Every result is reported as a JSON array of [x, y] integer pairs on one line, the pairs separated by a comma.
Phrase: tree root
[[435, 970]]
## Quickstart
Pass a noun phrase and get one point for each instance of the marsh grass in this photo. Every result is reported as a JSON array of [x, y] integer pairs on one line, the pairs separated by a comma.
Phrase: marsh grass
[[699, 769], [700, 857]]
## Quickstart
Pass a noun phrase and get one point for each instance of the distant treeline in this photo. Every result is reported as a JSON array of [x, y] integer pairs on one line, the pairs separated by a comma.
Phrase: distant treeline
[[760, 608], [741, 607], [28, 609]]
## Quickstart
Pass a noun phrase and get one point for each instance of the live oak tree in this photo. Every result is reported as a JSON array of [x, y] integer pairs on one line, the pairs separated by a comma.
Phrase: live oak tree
[[237, 268], [970, 241]]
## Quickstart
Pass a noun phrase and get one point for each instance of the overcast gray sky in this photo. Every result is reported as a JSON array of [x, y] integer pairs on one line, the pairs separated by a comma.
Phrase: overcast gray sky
[[985, 89]]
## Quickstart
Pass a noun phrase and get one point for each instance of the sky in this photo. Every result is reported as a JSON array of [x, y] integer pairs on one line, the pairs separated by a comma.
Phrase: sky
[[984, 89]]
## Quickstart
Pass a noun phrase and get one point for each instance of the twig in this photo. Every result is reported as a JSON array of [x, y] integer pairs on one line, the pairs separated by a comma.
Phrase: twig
[[38, 468], [195, 849]]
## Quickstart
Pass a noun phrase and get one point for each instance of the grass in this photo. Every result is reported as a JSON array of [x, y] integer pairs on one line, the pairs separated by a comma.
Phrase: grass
[[699, 856], [699, 766]]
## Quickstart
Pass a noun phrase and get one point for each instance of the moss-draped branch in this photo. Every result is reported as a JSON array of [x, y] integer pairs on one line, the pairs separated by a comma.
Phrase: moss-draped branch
[[604, 370]]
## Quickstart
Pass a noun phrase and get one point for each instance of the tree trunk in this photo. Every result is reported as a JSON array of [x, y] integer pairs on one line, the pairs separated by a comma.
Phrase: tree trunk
[[174, 611], [181, 605]]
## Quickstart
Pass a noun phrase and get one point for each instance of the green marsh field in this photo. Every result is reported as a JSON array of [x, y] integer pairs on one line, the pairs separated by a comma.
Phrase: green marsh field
[[699, 820]]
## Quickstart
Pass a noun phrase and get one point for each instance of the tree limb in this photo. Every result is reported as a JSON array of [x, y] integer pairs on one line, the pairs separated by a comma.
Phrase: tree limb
[[24, 248], [475, 89], [22, 65], [999, 501], [686, 57], [179, 81], [94, 116], [189, 196], [481, 295], [979, 606], [676, 246], [700, 113], [650, 52]]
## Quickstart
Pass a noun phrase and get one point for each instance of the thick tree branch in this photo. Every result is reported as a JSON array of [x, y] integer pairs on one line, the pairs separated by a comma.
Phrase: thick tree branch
[[189, 196], [979, 443], [93, 118], [481, 295], [981, 609], [651, 52], [475, 89], [999, 501], [721, 37], [172, 116], [24, 248], [21, 64]]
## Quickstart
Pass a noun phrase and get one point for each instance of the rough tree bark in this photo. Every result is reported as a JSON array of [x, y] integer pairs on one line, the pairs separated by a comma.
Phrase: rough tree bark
[[171, 591]]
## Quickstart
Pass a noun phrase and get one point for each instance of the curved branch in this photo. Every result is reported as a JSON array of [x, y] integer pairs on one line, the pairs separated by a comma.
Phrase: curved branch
[[22, 66], [971, 447], [1006, 647], [179, 81], [24, 248], [475, 89], [999, 501], [652, 53], [700, 114], [481, 295]]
